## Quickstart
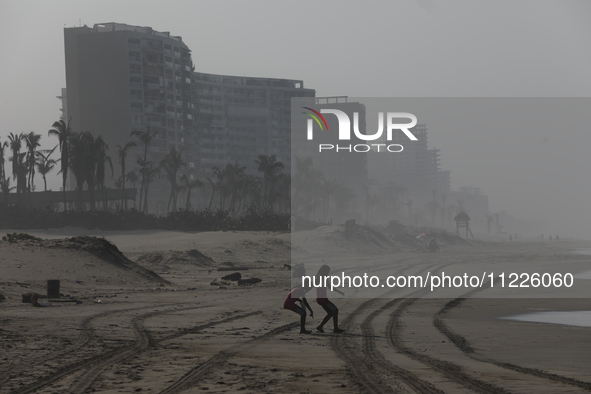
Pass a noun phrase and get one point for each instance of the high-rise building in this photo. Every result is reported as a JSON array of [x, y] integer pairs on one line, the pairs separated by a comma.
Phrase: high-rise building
[[416, 168], [239, 118], [340, 165], [122, 78]]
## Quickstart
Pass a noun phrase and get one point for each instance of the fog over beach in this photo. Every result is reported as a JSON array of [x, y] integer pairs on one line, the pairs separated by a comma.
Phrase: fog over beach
[[209, 244], [463, 49]]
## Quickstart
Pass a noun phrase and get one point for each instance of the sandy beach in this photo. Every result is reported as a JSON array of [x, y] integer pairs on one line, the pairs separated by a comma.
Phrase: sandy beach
[[177, 332]]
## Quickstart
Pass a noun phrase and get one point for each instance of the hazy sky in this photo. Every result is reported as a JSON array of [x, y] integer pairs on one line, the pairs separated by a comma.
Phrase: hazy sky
[[419, 48]]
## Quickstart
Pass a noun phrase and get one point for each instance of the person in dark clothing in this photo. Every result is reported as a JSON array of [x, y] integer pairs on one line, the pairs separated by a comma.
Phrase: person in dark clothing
[[322, 299], [298, 294]]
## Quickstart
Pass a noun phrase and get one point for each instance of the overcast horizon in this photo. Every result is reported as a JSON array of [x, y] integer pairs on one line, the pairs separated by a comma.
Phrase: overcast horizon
[[407, 48]]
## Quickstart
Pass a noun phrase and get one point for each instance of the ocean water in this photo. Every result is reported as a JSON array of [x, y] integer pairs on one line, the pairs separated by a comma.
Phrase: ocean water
[[586, 251], [569, 318], [583, 274]]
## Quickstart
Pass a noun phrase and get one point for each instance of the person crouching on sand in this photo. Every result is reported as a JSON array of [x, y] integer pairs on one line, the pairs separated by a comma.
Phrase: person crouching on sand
[[322, 299], [295, 295]]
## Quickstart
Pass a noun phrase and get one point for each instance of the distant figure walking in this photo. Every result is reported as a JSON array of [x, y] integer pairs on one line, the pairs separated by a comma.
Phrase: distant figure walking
[[322, 299], [292, 223], [298, 294], [433, 247]]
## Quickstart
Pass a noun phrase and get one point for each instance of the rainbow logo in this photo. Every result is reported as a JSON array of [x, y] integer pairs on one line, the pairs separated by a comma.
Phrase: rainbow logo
[[317, 117]]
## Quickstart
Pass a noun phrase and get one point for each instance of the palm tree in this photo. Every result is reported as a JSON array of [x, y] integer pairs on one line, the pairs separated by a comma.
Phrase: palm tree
[[307, 182], [6, 189], [235, 176], [327, 189], [63, 131], [252, 187], [149, 173], [143, 165], [145, 137], [489, 220], [171, 165], [213, 188], [280, 192], [189, 184], [32, 141], [270, 168], [220, 175], [89, 166], [45, 164], [122, 152], [77, 157], [343, 196], [15, 146], [100, 159], [132, 178], [2, 161]]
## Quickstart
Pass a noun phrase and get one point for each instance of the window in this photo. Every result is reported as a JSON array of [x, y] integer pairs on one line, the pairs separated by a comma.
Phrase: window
[[134, 56], [133, 42], [152, 57], [136, 94], [135, 81]]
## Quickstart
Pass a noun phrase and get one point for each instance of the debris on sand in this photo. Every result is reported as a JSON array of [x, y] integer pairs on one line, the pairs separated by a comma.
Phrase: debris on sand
[[251, 281], [39, 304], [26, 297], [218, 282], [421, 239], [236, 276], [233, 269]]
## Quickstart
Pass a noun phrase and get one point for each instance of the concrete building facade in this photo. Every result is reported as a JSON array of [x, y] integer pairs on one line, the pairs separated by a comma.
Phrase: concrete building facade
[[122, 78], [239, 118]]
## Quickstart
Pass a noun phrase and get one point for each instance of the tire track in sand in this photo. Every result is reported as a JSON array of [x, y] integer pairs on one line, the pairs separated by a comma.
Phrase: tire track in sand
[[361, 373], [87, 333], [462, 343], [194, 375], [105, 358]]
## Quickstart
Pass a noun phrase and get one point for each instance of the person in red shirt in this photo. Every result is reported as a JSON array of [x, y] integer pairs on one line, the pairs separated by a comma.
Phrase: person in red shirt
[[298, 294], [322, 299]]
